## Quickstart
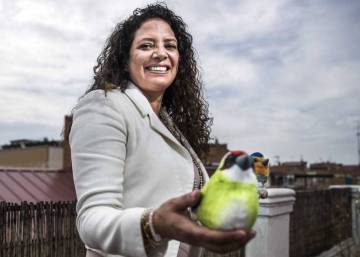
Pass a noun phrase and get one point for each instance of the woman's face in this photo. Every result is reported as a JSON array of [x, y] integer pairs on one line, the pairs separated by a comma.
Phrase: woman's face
[[154, 57]]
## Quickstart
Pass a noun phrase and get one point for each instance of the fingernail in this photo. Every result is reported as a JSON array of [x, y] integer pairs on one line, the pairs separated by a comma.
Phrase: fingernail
[[242, 233]]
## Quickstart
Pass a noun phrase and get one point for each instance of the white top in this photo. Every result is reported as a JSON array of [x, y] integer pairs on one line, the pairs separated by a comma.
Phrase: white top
[[124, 160]]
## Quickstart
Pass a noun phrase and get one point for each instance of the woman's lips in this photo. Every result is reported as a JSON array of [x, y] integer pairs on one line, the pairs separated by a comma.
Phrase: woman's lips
[[158, 69]]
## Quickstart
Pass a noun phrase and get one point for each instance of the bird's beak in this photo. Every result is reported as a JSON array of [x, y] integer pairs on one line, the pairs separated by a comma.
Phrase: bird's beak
[[244, 162], [265, 162]]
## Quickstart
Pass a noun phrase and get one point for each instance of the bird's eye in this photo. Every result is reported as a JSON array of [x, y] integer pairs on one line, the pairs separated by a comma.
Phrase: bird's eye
[[227, 164]]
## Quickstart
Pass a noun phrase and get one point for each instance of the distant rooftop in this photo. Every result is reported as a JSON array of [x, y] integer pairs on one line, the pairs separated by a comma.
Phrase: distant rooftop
[[24, 143], [35, 185]]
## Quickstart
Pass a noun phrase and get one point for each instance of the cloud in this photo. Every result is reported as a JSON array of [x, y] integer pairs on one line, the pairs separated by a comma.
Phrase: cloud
[[281, 76], [26, 130], [302, 101]]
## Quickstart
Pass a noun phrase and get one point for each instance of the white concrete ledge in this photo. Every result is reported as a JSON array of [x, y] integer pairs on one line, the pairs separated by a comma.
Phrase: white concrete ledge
[[272, 225], [355, 189], [280, 201]]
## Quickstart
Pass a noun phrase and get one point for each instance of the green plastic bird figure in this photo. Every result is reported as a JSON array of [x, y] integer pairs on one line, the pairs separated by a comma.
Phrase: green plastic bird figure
[[230, 198]]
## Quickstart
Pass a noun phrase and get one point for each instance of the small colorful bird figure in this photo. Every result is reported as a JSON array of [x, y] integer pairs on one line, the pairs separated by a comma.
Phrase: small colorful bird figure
[[230, 198], [262, 171]]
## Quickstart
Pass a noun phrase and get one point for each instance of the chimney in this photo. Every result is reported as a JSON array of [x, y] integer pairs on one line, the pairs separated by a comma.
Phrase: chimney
[[66, 151]]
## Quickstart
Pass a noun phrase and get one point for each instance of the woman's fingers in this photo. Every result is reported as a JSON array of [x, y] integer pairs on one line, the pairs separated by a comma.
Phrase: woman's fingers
[[203, 235], [174, 225], [183, 202], [215, 240], [170, 221], [229, 245]]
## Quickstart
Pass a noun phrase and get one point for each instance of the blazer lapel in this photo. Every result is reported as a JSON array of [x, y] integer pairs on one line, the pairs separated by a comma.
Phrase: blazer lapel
[[144, 107]]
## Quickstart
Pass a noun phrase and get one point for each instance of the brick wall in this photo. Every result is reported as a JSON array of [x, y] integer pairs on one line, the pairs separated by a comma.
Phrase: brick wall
[[320, 220]]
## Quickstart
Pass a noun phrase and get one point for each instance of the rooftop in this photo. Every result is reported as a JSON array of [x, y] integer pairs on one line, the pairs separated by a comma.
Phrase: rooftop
[[34, 185], [24, 143]]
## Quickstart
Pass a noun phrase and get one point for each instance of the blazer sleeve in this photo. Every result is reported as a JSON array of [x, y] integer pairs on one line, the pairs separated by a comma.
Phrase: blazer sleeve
[[98, 140]]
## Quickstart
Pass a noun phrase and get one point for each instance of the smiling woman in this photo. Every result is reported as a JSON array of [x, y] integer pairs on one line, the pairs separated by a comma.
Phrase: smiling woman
[[154, 59], [135, 140]]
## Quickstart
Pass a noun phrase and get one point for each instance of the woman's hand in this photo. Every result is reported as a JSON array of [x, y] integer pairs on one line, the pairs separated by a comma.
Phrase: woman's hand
[[171, 221]]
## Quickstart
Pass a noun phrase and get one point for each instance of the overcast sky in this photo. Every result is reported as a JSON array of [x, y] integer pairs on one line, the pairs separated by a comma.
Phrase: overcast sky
[[281, 77]]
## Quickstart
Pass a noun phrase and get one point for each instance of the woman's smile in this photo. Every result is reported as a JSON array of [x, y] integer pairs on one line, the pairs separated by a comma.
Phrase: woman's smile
[[158, 69]]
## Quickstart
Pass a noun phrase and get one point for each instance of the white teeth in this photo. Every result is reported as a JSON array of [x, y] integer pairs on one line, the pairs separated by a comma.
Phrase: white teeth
[[157, 68]]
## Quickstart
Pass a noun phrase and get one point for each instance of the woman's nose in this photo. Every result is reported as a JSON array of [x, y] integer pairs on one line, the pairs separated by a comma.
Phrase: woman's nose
[[159, 53]]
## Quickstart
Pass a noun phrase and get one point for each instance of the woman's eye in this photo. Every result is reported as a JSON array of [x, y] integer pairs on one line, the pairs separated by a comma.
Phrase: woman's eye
[[146, 46], [171, 46]]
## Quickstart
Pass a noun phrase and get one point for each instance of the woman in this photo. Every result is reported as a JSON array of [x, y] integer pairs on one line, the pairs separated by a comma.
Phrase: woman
[[136, 174]]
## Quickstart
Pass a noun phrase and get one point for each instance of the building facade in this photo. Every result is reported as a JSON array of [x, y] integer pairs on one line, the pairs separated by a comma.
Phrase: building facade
[[32, 154]]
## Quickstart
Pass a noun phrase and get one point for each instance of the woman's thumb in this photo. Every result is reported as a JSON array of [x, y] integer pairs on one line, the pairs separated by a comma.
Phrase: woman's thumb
[[187, 200]]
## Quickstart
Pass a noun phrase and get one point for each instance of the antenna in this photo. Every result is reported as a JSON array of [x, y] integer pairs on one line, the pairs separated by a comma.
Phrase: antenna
[[358, 140], [277, 159]]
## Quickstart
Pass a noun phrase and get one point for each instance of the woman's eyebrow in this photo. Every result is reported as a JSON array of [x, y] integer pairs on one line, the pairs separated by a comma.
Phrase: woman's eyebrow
[[154, 40], [146, 39], [171, 40]]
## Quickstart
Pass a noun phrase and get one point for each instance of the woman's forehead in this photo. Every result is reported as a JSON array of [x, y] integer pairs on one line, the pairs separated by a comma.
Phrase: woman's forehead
[[154, 27]]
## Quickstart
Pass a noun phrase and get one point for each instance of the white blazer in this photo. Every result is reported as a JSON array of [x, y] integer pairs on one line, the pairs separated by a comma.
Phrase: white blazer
[[124, 161]]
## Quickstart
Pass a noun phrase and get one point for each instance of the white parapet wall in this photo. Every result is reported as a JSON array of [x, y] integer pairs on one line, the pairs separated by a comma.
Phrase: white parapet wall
[[272, 225]]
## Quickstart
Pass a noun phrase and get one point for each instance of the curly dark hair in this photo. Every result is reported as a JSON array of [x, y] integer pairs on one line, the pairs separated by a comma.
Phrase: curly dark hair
[[184, 98]]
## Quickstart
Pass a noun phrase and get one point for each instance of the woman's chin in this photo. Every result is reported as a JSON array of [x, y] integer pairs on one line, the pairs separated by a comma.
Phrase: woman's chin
[[157, 83]]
